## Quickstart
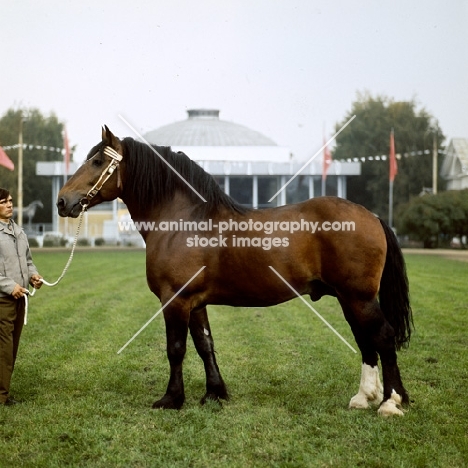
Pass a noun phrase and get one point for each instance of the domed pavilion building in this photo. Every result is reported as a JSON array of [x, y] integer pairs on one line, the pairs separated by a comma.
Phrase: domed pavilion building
[[247, 165]]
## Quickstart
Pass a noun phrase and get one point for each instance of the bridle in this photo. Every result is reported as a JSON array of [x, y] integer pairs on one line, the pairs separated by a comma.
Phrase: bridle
[[116, 158]]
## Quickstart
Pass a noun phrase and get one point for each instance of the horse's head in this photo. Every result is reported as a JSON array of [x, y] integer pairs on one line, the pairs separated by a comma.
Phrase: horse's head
[[96, 181]]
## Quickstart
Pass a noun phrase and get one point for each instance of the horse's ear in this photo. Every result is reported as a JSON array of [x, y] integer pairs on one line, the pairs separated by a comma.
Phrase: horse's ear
[[109, 138]]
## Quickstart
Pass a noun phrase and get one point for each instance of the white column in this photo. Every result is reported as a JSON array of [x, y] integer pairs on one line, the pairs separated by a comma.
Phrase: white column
[[311, 186], [255, 192], [283, 193], [341, 186], [55, 192]]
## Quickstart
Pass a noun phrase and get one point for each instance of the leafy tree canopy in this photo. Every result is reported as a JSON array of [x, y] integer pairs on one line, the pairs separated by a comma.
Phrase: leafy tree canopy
[[369, 135], [431, 218], [38, 130]]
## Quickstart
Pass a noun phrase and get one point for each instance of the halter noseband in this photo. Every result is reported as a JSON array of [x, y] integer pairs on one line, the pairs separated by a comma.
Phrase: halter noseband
[[105, 175]]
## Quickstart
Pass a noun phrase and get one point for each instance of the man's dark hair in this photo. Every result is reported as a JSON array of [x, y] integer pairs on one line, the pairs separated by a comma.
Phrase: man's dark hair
[[4, 194]]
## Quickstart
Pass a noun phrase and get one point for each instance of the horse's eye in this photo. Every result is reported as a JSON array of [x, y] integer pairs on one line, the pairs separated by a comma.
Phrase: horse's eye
[[97, 162]]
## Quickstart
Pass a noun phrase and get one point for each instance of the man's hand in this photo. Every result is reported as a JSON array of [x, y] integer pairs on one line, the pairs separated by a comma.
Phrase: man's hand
[[36, 281], [19, 292]]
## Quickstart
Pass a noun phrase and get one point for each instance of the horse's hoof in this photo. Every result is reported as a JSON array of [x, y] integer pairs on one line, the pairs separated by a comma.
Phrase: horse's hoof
[[211, 397], [392, 406], [359, 401], [362, 401], [215, 393], [167, 402], [389, 408]]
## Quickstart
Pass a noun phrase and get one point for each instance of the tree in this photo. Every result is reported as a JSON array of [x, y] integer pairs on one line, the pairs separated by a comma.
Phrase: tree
[[38, 130], [422, 219], [457, 201], [369, 135], [432, 217]]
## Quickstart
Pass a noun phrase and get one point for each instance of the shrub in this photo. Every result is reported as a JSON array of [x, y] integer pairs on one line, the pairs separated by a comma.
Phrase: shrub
[[33, 242], [430, 218]]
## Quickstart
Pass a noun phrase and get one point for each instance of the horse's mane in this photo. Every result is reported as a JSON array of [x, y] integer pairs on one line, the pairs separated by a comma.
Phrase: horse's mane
[[150, 181]]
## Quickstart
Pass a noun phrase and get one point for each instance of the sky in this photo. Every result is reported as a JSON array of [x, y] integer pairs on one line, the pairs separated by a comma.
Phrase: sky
[[290, 69]]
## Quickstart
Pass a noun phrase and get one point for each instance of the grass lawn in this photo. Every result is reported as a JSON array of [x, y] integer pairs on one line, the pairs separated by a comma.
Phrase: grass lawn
[[290, 379]]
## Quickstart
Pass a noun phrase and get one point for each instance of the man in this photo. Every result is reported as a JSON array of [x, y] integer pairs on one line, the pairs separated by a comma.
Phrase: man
[[17, 270]]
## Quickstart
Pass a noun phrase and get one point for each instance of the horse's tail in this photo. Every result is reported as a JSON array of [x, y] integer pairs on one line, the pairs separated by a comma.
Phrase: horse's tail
[[394, 291]]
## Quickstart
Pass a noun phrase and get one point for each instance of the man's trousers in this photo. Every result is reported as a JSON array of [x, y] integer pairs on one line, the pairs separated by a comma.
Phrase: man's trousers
[[11, 324]]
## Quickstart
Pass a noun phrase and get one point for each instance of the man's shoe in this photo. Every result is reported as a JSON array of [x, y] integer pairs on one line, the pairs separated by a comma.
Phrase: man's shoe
[[11, 401]]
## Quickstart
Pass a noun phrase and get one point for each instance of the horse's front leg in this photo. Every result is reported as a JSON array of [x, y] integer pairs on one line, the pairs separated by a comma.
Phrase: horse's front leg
[[203, 340], [176, 317]]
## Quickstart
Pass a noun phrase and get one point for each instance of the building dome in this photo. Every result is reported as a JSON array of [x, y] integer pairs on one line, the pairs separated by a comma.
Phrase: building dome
[[203, 127]]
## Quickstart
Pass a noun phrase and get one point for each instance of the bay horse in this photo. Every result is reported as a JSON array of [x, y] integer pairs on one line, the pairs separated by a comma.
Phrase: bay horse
[[362, 267]]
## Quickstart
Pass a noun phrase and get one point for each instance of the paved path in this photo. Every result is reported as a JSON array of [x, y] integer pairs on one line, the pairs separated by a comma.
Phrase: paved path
[[451, 254]]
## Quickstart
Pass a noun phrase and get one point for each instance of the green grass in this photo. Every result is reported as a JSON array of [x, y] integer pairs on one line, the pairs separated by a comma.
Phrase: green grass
[[289, 377]]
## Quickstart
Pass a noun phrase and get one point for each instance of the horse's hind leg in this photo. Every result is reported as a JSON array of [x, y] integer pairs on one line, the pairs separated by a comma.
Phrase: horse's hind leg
[[370, 388], [394, 393], [203, 340], [375, 336]]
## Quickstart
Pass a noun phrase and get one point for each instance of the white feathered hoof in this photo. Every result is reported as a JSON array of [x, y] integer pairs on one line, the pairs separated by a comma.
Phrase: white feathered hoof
[[370, 389], [392, 406], [359, 401]]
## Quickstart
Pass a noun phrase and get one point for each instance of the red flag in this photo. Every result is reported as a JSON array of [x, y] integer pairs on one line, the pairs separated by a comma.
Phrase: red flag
[[393, 161], [66, 156], [5, 160], [327, 160]]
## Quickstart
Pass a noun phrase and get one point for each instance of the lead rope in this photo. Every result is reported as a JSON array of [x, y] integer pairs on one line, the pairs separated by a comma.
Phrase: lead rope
[[75, 240]]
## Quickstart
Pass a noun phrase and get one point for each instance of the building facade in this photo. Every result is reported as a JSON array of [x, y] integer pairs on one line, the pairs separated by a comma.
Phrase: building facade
[[455, 166], [247, 165]]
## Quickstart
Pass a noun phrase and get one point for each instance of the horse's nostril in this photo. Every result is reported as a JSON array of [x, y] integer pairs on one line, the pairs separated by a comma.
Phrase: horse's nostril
[[60, 203]]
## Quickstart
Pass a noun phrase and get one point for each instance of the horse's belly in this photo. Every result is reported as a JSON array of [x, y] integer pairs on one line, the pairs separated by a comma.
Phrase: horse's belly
[[258, 285]]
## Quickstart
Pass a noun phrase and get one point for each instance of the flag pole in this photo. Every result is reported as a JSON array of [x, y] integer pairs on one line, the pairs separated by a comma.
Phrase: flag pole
[[390, 205], [434, 161], [66, 164], [325, 163], [20, 173], [66, 155], [393, 169]]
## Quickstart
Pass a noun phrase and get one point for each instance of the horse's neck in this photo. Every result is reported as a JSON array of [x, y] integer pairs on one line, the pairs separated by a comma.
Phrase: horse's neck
[[179, 207]]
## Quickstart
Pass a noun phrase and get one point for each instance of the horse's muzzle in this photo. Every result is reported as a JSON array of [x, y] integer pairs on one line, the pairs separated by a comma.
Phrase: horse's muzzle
[[67, 208]]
